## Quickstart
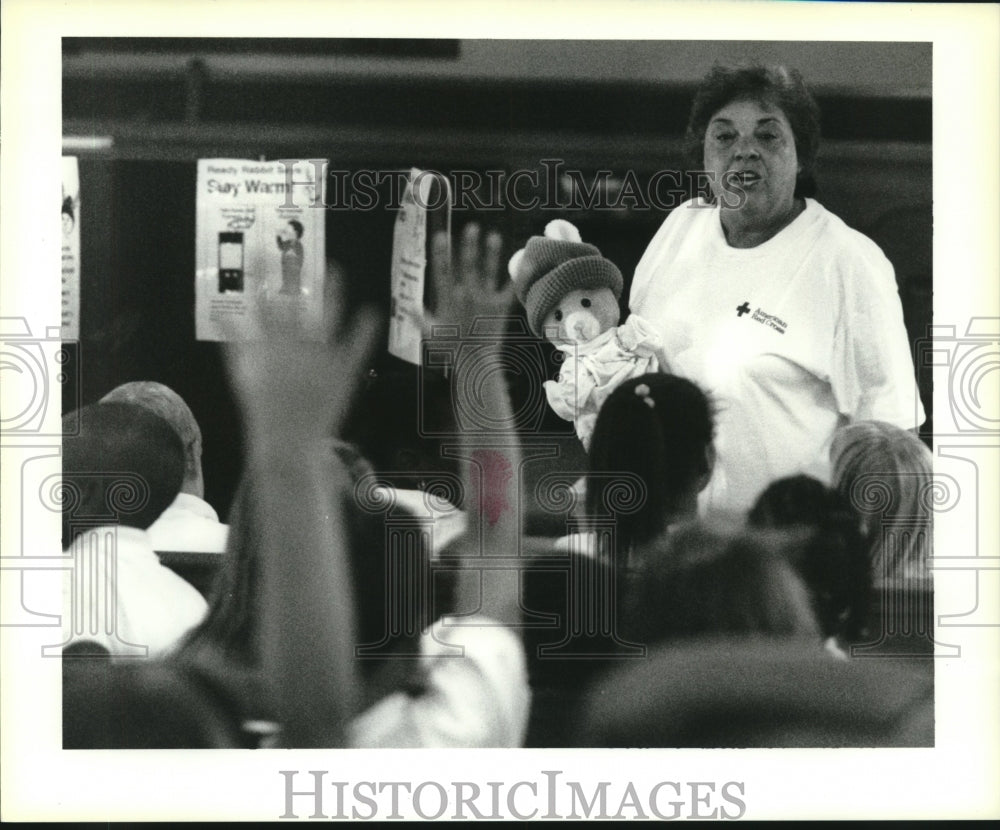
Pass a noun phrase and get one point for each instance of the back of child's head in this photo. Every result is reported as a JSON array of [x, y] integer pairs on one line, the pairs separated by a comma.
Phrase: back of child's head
[[121, 462], [879, 446], [148, 704], [832, 556], [657, 430], [886, 474], [702, 581]]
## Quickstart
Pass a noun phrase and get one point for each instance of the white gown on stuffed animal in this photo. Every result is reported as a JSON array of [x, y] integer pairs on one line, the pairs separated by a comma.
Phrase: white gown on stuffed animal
[[592, 369]]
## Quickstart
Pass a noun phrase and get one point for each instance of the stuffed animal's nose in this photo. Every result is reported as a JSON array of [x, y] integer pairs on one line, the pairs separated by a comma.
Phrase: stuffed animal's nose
[[582, 326]]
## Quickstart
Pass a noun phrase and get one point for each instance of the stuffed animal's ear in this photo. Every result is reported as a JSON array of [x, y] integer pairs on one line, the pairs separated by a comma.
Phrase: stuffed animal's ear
[[561, 229], [515, 263]]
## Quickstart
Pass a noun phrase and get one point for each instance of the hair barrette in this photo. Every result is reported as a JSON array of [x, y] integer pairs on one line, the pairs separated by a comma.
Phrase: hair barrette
[[643, 392]]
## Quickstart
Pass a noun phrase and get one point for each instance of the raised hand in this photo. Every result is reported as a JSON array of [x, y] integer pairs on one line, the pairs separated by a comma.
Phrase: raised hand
[[472, 288], [292, 394], [472, 285], [296, 389]]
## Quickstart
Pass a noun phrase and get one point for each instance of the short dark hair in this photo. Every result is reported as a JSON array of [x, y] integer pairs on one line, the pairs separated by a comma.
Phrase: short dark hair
[[659, 436], [297, 227], [833, 557], [717, 580], [163, 401], [120, 462], [776, 85]]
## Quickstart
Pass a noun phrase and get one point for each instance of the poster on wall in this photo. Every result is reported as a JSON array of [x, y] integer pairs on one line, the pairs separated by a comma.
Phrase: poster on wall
[[70, 238], [425, 209], [260, 246]]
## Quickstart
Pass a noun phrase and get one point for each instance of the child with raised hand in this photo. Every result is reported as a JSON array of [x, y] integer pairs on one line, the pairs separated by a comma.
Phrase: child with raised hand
[[293, 395], [475, 687], [469, 686], [471, 303], [277, 643]]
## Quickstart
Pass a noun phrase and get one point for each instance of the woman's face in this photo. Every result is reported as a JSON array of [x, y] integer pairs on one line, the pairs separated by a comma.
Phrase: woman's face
[[750, 155]]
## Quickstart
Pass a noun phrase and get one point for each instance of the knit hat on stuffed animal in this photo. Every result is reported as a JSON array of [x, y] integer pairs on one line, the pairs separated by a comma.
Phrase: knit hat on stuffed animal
[[550, 266]]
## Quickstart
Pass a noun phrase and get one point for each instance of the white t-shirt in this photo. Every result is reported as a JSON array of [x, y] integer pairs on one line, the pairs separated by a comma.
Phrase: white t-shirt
[[189, 524], [119, 595], [477, 693], [790, 340]]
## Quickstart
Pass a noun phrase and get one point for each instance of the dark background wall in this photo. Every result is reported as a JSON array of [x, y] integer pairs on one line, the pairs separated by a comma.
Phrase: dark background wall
[[446, 105]]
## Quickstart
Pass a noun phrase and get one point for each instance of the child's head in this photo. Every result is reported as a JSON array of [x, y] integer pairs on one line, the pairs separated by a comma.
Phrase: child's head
[[703, 581], [658, 430], [833, 555], [120, 461], [886, 475], [163, 401]]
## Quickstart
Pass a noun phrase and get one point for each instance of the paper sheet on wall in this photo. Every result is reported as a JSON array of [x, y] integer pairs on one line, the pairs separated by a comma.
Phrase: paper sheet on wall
[[70, 238], [424, 190], [260, 244]]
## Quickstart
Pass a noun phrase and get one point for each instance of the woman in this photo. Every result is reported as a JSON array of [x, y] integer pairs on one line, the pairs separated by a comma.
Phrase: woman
[[789, 319]]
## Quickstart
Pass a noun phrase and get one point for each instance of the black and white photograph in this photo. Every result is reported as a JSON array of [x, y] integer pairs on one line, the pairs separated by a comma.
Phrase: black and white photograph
[[450, 412]]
